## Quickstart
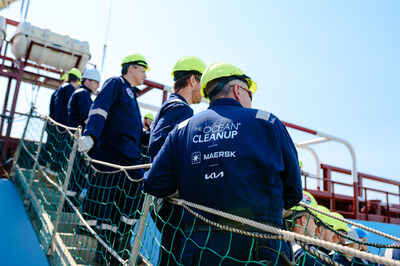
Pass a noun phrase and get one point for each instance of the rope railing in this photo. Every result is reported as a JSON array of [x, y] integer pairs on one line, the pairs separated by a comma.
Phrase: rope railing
[[289, 236], [270, 231]]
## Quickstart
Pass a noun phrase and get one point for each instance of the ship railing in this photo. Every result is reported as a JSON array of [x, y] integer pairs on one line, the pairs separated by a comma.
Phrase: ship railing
[[374, 204]]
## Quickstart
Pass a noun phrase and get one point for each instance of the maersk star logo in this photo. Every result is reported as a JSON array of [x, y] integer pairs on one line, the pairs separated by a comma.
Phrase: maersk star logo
[[196, 157]]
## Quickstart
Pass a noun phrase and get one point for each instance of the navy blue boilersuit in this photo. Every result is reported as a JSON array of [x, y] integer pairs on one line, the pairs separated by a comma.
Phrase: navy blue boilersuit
[[234, 159]]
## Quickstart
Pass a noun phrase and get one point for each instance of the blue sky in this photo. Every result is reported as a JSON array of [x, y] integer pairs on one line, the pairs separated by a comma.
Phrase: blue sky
[[332, 66]]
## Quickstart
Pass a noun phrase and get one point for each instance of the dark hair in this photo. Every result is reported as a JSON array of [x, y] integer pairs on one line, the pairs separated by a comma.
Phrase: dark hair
[[125, 67], [72, 78], [182, 78], [217, 87]]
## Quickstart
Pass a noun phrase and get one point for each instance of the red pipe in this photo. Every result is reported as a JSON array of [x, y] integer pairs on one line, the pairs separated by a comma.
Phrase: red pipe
[[300, 128], [11, 22]]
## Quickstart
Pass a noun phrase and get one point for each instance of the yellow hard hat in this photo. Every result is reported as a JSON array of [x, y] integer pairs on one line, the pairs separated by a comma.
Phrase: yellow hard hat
[[326, 219], [189, 63], [339, 225], [307, 199], [74, 71], [221, 70], [137, 59], [64, 77], [149, 116]]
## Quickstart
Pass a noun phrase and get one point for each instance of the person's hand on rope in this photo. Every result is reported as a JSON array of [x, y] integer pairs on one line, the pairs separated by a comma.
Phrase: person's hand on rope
[[85, 143]]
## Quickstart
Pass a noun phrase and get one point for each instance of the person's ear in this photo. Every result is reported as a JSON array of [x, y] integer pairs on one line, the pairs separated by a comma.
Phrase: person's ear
[[319, 230], [303, 220], [236, 92], [192, 80]]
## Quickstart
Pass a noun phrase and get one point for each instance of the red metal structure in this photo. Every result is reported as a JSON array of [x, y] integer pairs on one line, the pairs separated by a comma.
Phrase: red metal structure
[[21, 71], [355, 206]]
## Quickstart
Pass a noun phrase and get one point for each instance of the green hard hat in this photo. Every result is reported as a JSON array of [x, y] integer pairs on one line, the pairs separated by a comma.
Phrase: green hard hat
[[339, 225], [221, 70], [64, 77], [137, 59], [326, 219], [149, 116], [189, 63], [308, 199], [74, 71]]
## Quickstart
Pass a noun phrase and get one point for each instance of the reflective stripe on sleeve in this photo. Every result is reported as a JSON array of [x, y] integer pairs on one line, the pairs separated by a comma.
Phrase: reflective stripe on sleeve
[[108, 227], [126, 220], [70, 193], [98, 111]]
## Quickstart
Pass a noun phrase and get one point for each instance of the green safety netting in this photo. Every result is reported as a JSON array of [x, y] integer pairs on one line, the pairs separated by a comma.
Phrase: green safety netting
[[86, 212]]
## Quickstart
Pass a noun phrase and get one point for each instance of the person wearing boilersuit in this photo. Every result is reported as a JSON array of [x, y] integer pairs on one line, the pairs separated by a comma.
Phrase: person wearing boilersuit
[[234, 159], [114, 127], [78, 111], [187, 74], [58, 142]]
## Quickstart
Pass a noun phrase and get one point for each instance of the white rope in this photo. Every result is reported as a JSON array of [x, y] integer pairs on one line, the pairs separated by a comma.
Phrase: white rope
[[120, 167], [69, 129], [396, 239], [59, 124], [290, 236]]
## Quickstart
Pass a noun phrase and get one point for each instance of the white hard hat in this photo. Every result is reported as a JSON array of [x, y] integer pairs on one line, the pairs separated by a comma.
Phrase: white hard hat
[[93, 74]]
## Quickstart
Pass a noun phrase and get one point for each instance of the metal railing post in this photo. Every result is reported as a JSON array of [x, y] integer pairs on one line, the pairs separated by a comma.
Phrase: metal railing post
[[366, 204], [16, 156], [387, 207], [140, 230], [27, 123], [65, 187], [35, 164]]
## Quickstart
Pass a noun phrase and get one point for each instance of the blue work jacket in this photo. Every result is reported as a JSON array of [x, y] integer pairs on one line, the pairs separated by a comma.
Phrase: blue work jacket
[[115, 123], [234, 159], [79, 106], [172, 112], [59, 103]]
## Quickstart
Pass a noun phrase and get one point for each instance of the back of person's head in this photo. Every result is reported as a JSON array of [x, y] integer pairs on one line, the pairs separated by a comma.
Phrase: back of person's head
[[74, 75], [217, 77], [182, 79], [72, 78]]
